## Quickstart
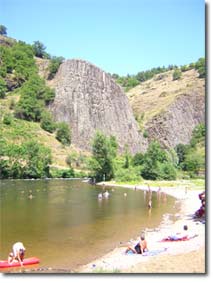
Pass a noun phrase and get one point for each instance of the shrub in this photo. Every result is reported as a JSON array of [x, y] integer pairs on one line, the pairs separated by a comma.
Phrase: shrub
[[198, 134], [55, 62], [12, 104], [167, 171], [29, 107], [145, 134], [47, 122], [63, 133], [138, 159], [130, 174], [34, 95], [3, 88], [62, 173], [200, 66], [177, 74], [28, 160], [193, 162], [8, 118]]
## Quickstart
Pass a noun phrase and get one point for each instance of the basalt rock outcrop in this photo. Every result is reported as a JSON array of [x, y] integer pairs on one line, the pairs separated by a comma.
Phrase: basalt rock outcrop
[[176, 124], [88, 99], [168, 110]]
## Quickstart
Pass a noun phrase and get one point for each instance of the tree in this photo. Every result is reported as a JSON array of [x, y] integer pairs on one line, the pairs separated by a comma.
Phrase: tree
[[39, 49], [34, 95], [3, 30], [104, 150], [181, 150], [156, 164], [193, 162], [63, 133], [28, 160], [198, 134]]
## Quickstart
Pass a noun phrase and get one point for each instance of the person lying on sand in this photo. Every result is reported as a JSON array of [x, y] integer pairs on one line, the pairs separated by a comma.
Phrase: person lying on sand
[[180, 236], [139, 248]]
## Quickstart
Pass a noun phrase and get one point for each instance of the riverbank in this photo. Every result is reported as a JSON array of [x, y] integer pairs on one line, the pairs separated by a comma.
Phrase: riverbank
[[164, 257]]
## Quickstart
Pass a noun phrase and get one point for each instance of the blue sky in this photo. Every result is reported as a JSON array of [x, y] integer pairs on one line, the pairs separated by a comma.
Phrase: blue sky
[[119, 36]]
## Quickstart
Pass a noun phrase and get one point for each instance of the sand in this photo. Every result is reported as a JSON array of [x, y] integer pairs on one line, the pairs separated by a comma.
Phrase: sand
[[164, 257]]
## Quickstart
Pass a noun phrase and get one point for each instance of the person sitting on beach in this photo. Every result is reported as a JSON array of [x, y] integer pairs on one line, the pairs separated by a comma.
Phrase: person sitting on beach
[[139, 248], [17, 253]]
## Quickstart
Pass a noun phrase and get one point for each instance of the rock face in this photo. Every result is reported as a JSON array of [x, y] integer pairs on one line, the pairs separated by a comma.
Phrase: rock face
[[176, 124], [88, 99], [170, 109]]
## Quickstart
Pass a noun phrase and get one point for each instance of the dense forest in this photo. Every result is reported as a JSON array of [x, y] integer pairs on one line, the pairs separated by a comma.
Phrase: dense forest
[[24, 101]]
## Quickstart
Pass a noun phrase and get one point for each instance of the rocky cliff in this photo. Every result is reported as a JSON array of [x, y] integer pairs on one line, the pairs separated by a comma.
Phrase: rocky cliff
[[168, 110], [88, 99]]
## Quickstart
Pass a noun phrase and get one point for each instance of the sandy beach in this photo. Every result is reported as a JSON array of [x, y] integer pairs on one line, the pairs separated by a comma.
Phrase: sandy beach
[[163, 257]]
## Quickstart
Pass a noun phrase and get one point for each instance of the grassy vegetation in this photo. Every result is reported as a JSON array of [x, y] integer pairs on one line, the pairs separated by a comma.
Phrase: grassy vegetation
[[101, 270], [151, 98]]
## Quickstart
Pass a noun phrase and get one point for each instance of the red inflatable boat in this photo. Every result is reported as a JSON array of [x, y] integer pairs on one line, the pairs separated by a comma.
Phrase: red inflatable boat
[[27, 261]]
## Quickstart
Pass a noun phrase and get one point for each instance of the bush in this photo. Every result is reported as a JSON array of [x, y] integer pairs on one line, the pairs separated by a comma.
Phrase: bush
[[29, 107], [138, 159], [55, 62], [34, 95], [28, 160], [62, 173], [177, 74], [198, 134], [47, 122], [63, 133], [193, 162], [145, 134], [8, 118], [3, 88], [12, 104], [167, 172], [131, 174], [200, 66]]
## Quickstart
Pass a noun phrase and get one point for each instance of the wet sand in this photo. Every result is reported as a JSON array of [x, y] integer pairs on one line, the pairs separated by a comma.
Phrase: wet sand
[[165, 257]]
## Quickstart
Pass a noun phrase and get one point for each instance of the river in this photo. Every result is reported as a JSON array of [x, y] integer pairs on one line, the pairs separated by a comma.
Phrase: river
[[63, 222]]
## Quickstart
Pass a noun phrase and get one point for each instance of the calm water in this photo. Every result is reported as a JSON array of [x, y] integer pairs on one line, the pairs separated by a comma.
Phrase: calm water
[[64, 223]]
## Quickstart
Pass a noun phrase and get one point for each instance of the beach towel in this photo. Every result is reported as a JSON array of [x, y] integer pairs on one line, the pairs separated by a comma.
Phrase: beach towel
[[148, 253], [178, 239]]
